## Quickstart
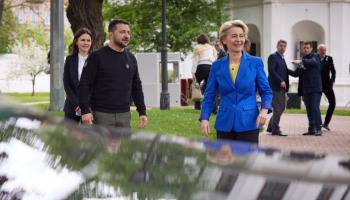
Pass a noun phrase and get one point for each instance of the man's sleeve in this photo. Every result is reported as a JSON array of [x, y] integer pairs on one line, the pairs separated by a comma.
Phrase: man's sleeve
[[137, 93], [332, 68], [86, 83]]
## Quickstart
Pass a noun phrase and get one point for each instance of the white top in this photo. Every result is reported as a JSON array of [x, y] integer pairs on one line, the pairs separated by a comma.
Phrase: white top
[[203, 54], [81, 62]]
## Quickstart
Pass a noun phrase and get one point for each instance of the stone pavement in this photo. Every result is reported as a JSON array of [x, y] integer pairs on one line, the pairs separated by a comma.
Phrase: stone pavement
[[336, 141]]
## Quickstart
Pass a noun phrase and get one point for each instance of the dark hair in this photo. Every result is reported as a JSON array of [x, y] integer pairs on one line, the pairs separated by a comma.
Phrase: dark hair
[[308, 43], [281, 41], [73, 48], [113, 24], [203, 39]]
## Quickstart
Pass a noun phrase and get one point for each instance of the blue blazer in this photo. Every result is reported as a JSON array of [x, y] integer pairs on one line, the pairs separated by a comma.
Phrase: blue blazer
[[238, 107]]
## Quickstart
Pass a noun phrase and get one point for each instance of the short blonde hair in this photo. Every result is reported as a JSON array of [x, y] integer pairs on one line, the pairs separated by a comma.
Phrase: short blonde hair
[[232, 23]]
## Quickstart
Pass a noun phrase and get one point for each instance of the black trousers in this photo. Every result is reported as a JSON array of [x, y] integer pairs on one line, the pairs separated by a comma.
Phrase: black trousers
[[328, 91], [72, 117], [202, 73], [278, 106], [245, 136]]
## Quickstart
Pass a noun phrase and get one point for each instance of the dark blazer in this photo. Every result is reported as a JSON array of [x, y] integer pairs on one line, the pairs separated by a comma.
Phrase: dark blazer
[[70, 82], [309, 75], [278, 71], [238, 107], [327, 67]]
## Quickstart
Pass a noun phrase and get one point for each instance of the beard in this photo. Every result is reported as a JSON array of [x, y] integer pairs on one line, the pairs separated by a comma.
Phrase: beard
[[120, 44]]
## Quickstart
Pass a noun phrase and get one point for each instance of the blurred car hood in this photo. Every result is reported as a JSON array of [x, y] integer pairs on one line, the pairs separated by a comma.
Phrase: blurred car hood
[[44, 157]]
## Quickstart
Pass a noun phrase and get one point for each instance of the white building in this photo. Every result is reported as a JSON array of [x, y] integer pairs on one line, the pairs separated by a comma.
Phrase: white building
[[321, 21]]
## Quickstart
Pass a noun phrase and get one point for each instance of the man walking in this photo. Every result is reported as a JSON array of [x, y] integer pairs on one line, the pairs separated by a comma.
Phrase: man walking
[[279, 82], [109, 80], [310, 87], [327, 68]]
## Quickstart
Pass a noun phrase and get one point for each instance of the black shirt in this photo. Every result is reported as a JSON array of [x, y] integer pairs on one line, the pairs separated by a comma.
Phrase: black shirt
[[108, 81]]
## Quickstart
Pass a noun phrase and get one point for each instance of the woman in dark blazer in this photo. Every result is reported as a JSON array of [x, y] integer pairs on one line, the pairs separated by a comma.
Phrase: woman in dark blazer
[[80, 48], [237, 77]]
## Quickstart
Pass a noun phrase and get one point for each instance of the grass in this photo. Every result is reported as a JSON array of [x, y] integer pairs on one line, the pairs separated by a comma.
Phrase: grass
[[27, 97], [177, 121]]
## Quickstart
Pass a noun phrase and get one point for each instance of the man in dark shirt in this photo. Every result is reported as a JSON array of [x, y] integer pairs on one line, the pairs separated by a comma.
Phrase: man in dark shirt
[[109, 79], [327, 68], [310, 87], [279, 82]]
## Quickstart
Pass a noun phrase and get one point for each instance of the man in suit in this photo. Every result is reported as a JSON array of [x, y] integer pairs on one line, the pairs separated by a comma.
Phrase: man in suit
[[327, 68], [279, 82], [310, 87]]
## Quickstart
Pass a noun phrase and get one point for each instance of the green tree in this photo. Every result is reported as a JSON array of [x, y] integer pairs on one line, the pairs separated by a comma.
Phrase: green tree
[[25, 33], [185, 20], [7, 27]]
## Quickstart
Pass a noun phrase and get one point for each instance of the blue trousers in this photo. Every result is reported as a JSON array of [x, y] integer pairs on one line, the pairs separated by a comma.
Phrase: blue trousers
[[312, 104]]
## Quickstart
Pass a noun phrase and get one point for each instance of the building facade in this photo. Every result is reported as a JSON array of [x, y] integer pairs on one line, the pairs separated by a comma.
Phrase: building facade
[[296, 21]]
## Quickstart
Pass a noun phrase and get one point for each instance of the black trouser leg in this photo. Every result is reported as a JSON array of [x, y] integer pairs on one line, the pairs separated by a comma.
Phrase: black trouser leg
[[72, 117], [331, 100], [246, 136], [307, 102]]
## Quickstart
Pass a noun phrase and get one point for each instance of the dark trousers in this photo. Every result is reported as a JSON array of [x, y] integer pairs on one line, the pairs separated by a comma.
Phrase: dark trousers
[[121, 120], [245, 136], [331, 100], [202, 73], [72, 117], [278, 106], [312, 104]]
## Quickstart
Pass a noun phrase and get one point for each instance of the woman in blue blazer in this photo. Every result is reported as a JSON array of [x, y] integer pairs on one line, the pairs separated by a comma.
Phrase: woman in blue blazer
[[80, 49], [237, 76]]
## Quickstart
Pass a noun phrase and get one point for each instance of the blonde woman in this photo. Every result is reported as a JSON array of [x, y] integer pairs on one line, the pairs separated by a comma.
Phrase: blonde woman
[[237, 76]]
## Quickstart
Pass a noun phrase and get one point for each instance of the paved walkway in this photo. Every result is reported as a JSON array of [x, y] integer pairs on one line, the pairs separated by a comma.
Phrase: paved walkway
[[336, 141]]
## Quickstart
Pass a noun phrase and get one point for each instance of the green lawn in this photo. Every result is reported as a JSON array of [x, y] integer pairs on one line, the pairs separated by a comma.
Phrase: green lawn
[[27, 97], [178, 121]]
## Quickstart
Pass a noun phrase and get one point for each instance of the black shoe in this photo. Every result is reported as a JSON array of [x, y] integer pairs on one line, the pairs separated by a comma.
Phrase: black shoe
[[278, 134], [269, 130], [310, 133], [325, 126], [318, 133]]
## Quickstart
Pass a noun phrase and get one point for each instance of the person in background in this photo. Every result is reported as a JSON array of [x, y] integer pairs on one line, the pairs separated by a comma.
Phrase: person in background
[[237, 76], [220, 49], [108, 81], [247, 45], [328, 79], [310, 87], [79, 50], [203, 56], [279, 82]]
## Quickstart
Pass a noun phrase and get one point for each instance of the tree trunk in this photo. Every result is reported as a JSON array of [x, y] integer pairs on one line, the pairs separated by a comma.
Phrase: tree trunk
[[1, 10], [87, 13], [33, 86]]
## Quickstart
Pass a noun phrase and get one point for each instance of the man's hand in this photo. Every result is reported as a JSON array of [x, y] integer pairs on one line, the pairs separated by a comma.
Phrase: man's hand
[[143, 121], [296, 62], [87, 119], [261, 120], [205, 127], [283, 85]]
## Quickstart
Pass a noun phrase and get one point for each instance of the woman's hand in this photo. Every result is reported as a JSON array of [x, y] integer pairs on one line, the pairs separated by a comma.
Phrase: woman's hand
[[205, 127], [261, 120]]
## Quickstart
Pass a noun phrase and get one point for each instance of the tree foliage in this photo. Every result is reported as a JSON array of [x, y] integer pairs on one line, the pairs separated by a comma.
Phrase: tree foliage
[[186, 19], [31, 61], [7, 27]]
